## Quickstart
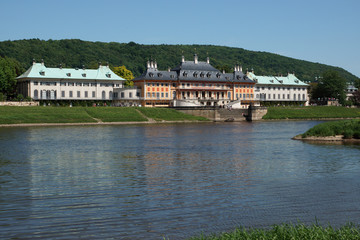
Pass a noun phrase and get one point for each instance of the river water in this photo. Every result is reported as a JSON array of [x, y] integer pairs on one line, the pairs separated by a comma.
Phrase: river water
[[171, 180]]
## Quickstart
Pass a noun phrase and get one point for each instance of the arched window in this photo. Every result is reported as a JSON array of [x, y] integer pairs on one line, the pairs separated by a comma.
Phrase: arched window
[[36, 94], [103, 95]]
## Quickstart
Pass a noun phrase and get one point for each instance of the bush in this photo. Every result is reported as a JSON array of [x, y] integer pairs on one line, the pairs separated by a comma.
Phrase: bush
[[348, 133]]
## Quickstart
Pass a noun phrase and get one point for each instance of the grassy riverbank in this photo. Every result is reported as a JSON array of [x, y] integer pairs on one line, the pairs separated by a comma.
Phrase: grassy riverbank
[[286, 231], [38, 115], [348, 128], [313, 112]]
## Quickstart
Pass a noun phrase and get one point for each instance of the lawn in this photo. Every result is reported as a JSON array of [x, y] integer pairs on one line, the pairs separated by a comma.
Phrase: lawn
[[115, 114], [14, 115], [167, 114], [313, 112]]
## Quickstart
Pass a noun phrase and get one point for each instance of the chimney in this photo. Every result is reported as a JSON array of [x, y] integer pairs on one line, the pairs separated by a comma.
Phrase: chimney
[[195, 58], [99, 64], [223, 71], [42, 62], [182, 59], [34, 62], [151, 64], [168, 69], [148, 64], [60, 66], [83, 67], [240, 68], [208, 60], [107, 64], [155, 65]]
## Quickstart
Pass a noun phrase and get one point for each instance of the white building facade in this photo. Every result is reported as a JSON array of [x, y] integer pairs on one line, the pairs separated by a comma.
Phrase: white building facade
[[42, 83], [280, 89]]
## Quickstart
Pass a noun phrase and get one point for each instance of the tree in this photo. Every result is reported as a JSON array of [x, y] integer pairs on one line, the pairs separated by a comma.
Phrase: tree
[[9, 70], [123, 72], [331, 85]]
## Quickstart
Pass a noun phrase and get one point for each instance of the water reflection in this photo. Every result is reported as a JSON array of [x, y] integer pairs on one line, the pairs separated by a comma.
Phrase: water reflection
[[170, 180]]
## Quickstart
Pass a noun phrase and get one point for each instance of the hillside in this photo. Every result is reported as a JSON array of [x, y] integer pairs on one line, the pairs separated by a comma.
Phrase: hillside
[[75, 53]]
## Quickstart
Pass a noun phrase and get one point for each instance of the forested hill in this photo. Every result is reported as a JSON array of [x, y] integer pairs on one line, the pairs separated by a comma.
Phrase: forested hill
[[76, 53]]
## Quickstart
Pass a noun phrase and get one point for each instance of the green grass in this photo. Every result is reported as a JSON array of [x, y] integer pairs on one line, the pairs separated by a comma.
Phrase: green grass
[[167, 114], [17, 115], [115, 114], [14, 115], [288, 231], [311, 112], [348, 128]]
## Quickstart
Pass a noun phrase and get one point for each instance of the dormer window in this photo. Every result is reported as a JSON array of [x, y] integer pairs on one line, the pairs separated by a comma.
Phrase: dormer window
[[108, 75], [195, 74], [84, 74], [271, 81], [218, 75], [208, 75], [172, 76], [159, 74], [42, 73], [151, 74], [297, 81], [68, 74], [202, 75], [185, 74]]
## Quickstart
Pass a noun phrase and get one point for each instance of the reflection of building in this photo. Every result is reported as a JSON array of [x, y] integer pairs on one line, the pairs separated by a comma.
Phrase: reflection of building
[[42, 83], [194, 83], [279, 89]]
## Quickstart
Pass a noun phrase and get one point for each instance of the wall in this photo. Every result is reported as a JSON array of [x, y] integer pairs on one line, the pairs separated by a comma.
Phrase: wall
[[19, 103]]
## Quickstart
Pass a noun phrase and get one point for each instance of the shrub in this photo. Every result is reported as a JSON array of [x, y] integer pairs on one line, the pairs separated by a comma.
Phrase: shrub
[[348, 133]]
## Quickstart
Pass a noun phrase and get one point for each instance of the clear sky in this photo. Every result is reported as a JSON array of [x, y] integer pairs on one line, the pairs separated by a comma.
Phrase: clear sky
[[324, 31]]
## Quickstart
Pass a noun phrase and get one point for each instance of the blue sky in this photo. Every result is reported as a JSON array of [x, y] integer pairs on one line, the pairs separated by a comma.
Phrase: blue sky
[[325, 31]]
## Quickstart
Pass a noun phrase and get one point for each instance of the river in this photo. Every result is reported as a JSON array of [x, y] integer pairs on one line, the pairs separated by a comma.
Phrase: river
[[170, 180]]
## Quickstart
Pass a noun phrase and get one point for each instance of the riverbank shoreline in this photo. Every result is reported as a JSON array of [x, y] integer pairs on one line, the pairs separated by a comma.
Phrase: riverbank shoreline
[[327, 139], [95, 123]]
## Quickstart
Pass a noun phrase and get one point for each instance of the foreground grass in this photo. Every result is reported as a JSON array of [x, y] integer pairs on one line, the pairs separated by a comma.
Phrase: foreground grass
[[17, 115], [348, 128], [313, 112], [115, 114], [287, 231], [167, 114]]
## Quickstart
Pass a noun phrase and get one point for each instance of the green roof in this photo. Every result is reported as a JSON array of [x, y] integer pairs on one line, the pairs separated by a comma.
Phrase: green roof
[[290, 79], [39, 71]]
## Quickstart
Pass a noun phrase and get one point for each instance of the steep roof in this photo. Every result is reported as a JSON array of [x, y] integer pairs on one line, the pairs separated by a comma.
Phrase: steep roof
[[290, 79], [40, 71], [193, 71]]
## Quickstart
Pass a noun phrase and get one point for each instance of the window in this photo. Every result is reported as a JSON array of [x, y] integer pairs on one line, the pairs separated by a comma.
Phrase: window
[[153, 95], [108, 75], [63, 94], [84, 74], [93, 94], [68, 74], [288, 96], [157, 95], [283, 96], [148, 95], [174, 84], [103, 95], [78, 94], [71, 94], [279, 96], [162, 94], [78, 84], [110, 95], [71, 84], [166, 95], [93, 84], [86, 84], [274, 96], [130, 94], [304, 97], [62, 83], [36, 94], [86, 94], [123, 94], [36, 83], [42, 73], [294, 96], [269, 96]]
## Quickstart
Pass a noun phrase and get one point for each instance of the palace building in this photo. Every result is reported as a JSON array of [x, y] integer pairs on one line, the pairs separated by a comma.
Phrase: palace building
[[192, 84], [42, 83], [280, 89]]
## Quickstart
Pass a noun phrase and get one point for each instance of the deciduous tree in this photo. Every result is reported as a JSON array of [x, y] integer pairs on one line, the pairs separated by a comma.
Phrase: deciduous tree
[[123, 72], [9, 70], [331, 85]]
